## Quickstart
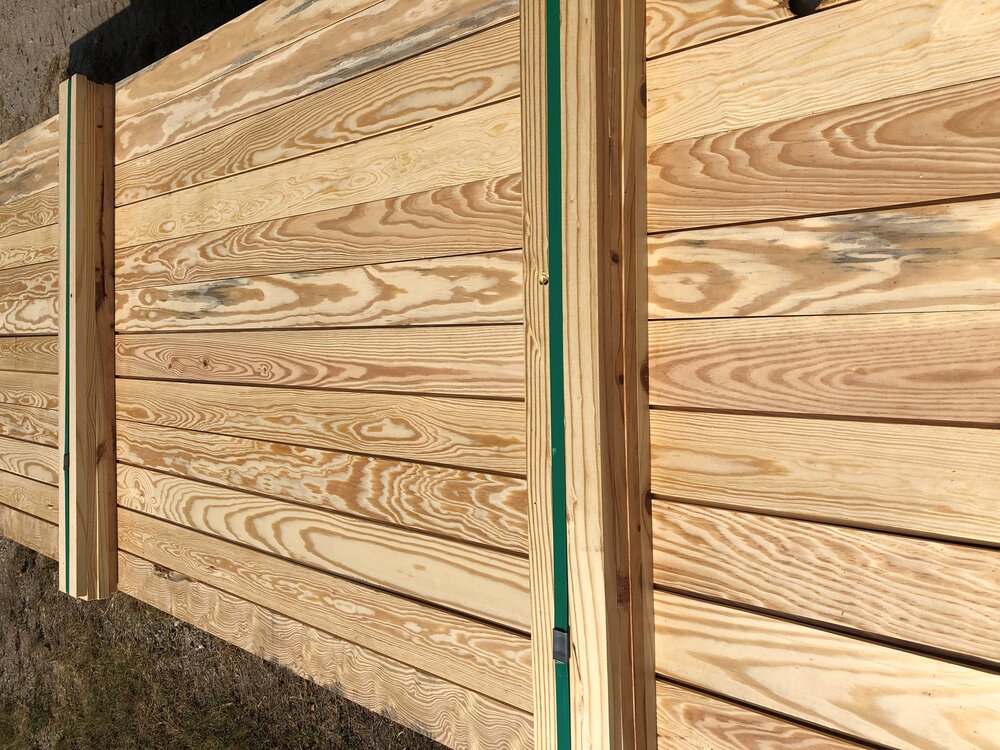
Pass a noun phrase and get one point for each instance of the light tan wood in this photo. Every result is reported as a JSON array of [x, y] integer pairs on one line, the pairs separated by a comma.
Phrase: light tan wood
[[30, 496], [29, 282], [31, 212], [30, 354], [29, 389], [89, 560], [471, 218], [484, 658], [38, 316], [910, 46], [476, 434], [943, 596], [39, 462], [480, 582], [29, 531], [916, 479], [444, 711], [937, 367], [479, 70], [929, 258], [483, 508], [34, 246], [29, 423], [467, 289], [29, 162], [863, 689], [374, 36], [689, 720]]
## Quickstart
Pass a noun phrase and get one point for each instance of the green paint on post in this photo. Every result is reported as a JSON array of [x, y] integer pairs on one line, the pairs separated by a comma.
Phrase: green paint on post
[[66, 318]]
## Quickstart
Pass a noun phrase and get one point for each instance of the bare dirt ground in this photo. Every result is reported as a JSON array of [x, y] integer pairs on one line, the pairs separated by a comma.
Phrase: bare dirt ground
[[119, 675]]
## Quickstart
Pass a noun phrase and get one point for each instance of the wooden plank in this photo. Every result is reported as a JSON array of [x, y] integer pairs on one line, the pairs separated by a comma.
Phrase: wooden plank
[[937, 367], [30, 424], [929, 258], [484, 658], [933, 481], [39, 462], [89, 559], [363, 41], [31, 212], [442, 710], [483, 508], [943, 596], [463, 148], [36, 317], [34, 246], [29, 389], [478, 70], [673, 25], [944, 145], [29, 282], [481, 582], [469, 433], [30, 496], [910, 47], [475, 217], [30, 354], [29, 162], [39, 535], [459, 361], [689, 720], [863, 689], [444, 291]]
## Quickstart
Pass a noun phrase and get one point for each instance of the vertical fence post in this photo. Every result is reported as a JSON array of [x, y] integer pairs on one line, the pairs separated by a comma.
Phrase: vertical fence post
[[87, 518]]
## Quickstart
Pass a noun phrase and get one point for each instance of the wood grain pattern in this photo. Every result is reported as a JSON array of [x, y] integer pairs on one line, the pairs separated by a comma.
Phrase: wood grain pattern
[[441, 710], [470, 73], [39, 462], [689, 720], [866, 690], [932, 481], [30, 496], [471, 146], [910, 46], [945, 596], [938, 367], [30, 424], [29, 282], [31, 212], [930, 258], [459, 360], [483, 508], [29, 354], [31, 532], [375, 36], [475, 217], [29, 389], [34, 246], [476, 434], [936, 145], [29, 162], [466, 289], [484, 658], [30, 316], [484, 583]]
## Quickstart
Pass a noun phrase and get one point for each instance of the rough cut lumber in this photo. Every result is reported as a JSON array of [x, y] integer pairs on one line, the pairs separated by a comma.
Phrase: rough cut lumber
[[470, 73], [372, 38], [458, 361], [484, 658], [30, 354], [941, 257], [30, 496], [863, 689], [928, 367], [463, 148], [443, 711], [30, 316], [484, 583], [470, 433], [34, 246], [31, 212], [443, 291], [672, 25], [29, 163], [30, 424], [476, 217], [39, 462], [945, 596], [39, 535], [29, 282], [910, 46], [482, 508], [690, 720], [29, 389], [933, 481]]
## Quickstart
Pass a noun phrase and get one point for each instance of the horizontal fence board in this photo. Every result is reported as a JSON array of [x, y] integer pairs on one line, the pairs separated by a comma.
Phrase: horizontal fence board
[[27, 248], [31, 212], [485, 435], [31, 532], [482, 508], [471, 146], [30, 496], [444, 711], [866, 690], [484, 583], [945, 596], [29, 162], [30, 424], [29, 389], [30, 316], [928, 367], [29, 354], [29, 282], [476, 217], [444, 291], [935, 258], [470, 73], [372, 38], [39, 462], [459, 360], [484, 658], [689, 720], [910, 46], [934, 481], [931, 146]]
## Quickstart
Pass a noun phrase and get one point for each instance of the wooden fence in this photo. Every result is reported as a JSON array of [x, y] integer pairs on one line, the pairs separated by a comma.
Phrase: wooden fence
[[398, 362]]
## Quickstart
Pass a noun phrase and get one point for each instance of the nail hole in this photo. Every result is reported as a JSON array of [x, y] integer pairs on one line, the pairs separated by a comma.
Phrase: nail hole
[[804, 7]]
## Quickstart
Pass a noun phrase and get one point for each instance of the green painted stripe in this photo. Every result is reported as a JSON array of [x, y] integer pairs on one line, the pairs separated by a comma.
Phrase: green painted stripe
[[66, 319]]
